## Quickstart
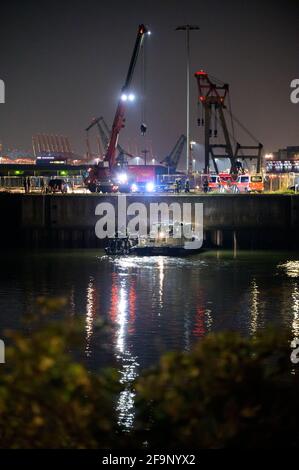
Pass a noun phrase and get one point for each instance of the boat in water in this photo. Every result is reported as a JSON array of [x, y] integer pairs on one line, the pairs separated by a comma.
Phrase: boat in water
[[175, 239]]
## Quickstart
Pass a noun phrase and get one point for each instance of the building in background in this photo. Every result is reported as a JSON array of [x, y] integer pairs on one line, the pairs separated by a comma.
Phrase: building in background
[[282, 169], [283, 161], [52, 149]]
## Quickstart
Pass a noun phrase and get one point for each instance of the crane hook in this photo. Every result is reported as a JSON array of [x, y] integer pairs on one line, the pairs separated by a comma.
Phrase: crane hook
[[143, 128]]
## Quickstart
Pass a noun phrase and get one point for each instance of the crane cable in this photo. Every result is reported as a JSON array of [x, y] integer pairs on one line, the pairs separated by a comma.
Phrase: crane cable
[[244, 128], [232, 136], [230, 113], [143, 84], [232, 116]]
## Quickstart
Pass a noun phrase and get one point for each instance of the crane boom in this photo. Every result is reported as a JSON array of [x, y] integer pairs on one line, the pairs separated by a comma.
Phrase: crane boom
[[119, 118], [100, 176], [173, 158], [105, 135]]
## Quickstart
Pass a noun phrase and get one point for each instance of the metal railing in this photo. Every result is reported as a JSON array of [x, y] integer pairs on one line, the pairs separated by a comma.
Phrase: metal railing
[[37, 183]]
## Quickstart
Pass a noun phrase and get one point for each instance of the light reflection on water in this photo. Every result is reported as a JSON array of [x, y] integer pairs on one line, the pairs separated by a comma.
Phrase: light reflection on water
[[90, 314], [295, 323], [154, 304], [254, 304], [291, 268]]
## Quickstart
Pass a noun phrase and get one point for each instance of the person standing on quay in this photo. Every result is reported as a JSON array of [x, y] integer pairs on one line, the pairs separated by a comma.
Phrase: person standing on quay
[[42, 185], [25, 184], [28, 184]]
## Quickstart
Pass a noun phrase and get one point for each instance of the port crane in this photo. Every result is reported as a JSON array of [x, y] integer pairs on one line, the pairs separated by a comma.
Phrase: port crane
[[104, 134], [103, 171], [212, 99], [172, 160]]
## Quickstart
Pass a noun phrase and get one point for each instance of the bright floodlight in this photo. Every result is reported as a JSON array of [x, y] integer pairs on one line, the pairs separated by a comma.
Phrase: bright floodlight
[[131, 97], [150, 187], [149, 33], [122, 178], [124, 97]]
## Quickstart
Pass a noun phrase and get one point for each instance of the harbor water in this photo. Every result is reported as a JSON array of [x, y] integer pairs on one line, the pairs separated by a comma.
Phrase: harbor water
[[153, 304]]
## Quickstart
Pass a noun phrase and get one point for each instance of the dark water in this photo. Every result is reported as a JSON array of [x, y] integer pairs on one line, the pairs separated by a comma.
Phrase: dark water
[[154, 304]]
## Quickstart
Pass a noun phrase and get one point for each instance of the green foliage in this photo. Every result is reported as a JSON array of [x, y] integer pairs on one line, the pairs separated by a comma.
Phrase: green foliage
[[228, 392], [286, 192], [47, 400]]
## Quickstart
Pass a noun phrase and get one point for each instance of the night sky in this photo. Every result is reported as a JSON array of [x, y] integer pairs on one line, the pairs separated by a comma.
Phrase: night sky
[[64, 63]]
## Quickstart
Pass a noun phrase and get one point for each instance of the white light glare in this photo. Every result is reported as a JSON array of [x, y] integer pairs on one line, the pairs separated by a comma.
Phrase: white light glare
[[125, 97], [122, 178], [150, 187]]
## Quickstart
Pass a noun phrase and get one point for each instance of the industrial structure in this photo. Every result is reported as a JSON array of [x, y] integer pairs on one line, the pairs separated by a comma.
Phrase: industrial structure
[[52, 149], [100, 176], [112, 166], [283, 161], [172, 160], [212, 100]]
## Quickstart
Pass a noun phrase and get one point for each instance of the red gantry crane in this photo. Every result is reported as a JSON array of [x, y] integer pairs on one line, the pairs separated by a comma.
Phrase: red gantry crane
[[212, 99], [100, 177]]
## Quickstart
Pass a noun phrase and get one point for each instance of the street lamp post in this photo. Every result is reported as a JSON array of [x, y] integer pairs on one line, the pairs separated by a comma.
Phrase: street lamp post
[[188, 28], [192, 144], [145, 152]]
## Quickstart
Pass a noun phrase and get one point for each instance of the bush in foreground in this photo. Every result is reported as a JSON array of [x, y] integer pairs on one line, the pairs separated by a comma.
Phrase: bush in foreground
[[47, 400], [228, 392]]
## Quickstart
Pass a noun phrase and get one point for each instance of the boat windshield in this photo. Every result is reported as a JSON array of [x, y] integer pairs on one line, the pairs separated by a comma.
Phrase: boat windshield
[[171, 230]]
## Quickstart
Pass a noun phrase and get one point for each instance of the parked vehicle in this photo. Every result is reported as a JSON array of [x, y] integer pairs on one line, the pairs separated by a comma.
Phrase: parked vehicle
[[248, 184], [57, 186], [214, 183]]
